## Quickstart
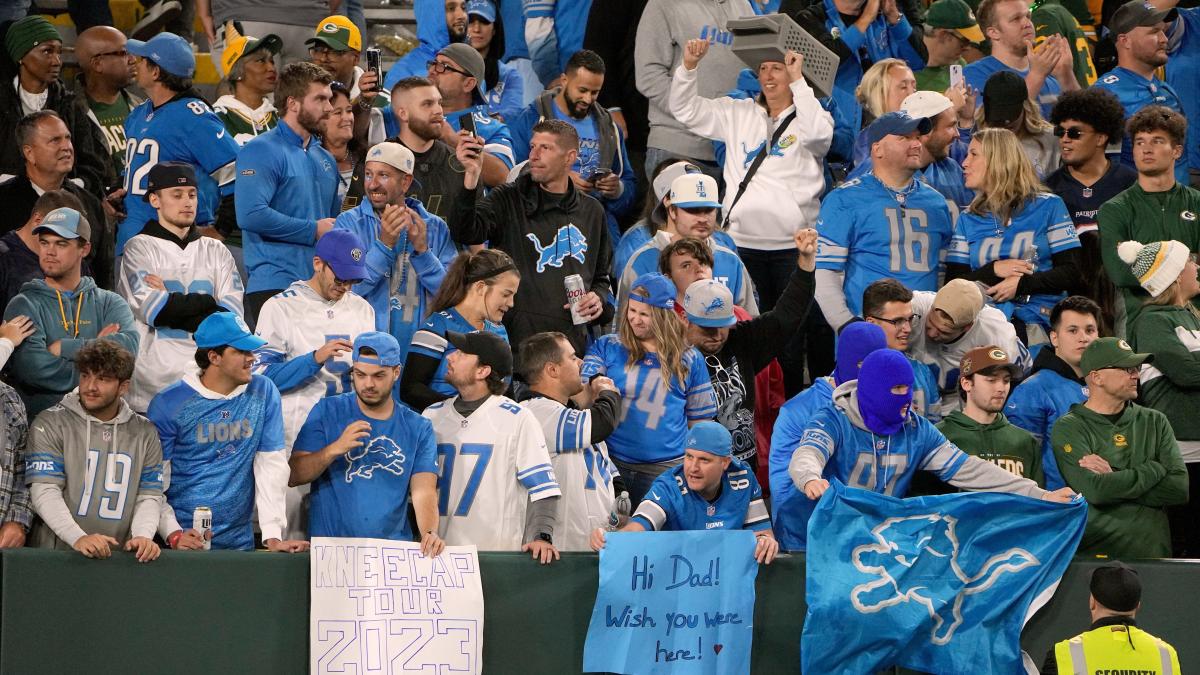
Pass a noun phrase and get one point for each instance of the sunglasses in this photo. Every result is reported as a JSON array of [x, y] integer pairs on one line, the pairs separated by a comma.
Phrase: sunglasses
[[120, 53], [440, 67], [1073, 133]]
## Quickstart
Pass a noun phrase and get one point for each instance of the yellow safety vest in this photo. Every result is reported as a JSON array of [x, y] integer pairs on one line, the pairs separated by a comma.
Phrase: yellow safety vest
[[1116, 650]]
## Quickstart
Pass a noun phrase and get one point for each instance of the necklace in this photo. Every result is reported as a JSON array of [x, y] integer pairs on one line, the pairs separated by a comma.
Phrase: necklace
[[901, 196]]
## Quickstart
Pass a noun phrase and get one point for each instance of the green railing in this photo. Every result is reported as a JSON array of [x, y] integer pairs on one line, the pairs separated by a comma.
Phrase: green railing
[[225, 612]]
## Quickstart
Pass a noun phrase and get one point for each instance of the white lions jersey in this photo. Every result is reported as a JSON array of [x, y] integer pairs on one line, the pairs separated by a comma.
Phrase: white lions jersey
[[491, 464], [204, 266], [584, 472], [299, 321], [990, 328]]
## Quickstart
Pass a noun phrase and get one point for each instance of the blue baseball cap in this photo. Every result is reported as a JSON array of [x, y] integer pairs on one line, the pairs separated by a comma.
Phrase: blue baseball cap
[[168, 51], [343, 251], [897, 123], [709, 303], [710, 437], [483, 9], [660, 291], [66, 223], [226, 328], [856, 341], [386, 348]]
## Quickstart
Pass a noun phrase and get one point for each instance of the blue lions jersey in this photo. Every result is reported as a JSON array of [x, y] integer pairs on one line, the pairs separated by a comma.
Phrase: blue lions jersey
[[791, 509], [1136, 92], [497, 139], [181, 130], [883, 464], [976, 74], [1183, 71], [654, 415], [364, 493], [671, 505], [1041, 229], [867, 232], [431, 341], [210, 441], [926, 393]]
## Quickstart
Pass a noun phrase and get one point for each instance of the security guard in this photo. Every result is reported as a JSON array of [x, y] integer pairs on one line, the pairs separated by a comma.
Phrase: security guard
[[1114, 644]]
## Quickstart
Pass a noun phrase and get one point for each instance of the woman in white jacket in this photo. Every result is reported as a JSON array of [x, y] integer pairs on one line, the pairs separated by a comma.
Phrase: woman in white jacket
[[782, 196]]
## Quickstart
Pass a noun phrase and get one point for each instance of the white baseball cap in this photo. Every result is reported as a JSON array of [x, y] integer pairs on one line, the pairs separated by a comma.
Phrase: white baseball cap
[[392, 154], [927, 104], [709, 303], [692, 191]]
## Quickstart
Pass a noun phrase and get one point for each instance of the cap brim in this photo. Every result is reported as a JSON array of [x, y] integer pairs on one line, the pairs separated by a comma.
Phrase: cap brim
[[972, 33], [697, 204], [336, 45], [482, 15], [348, 271], [137, 48], [60, 231], [1132, 360], [248, 343], [711, 323], [459, 340], [271, 43]]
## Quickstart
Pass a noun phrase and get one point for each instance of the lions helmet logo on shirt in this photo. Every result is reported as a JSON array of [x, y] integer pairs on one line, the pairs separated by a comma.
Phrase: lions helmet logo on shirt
[[568, 242]]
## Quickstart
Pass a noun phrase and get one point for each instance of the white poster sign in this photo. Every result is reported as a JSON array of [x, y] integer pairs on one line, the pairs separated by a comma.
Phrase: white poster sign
[[379, 606]]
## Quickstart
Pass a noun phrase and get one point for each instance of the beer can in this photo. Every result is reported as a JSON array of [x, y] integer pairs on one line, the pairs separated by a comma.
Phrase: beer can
[[575, 292], [202, 523]]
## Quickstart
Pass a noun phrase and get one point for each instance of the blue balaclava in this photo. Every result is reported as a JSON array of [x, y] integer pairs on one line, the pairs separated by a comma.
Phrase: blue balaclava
[[854, 343], [882, 411]]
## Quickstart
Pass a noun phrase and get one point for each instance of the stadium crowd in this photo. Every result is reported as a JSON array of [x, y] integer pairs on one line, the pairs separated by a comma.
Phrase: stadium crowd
[[476, 298]]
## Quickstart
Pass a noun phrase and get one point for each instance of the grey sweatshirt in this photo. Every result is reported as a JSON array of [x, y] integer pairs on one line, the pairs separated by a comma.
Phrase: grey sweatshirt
[[974, 474], [92, 477], [664, 29]]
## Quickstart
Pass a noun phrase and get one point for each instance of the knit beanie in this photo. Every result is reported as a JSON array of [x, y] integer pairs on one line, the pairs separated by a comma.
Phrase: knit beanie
[[882, 411], [28, 33], [1156, 265], [854, 343]]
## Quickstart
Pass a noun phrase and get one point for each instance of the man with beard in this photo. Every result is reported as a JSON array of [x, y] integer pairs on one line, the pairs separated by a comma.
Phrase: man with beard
[[287, 187], [94, 431], [102, 94], [1048, 70], [942, 150], [410, 248], [439, 23], [735, 351], [309, 330], [1141, 40], [366, 454], [980, 429], [602, 168]]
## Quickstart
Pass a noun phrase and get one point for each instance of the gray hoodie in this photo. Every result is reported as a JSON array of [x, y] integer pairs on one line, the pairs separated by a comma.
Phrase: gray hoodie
[[664, 29], [114, 468], [808, 463]]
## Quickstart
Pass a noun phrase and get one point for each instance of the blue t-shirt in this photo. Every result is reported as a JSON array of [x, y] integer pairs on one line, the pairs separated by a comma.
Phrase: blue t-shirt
[[211, 442], [364, 493], [868, 233], [180, 130], [431, 341], [1136, 92], [654, 416], [671, 505], [977, 74], [1041, 229]]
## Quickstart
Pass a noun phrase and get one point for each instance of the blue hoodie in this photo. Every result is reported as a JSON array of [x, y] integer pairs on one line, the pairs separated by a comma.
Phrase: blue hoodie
[[1043, 397], [557, 28], [73, 319], [400, 305], [433, 36], [790, 507]]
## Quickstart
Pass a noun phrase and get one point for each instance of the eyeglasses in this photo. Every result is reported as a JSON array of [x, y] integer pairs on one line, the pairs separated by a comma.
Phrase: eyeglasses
[[1131, 370], [440, 67], [120, 53], [899, 321], [1073, 133], [322, 50]]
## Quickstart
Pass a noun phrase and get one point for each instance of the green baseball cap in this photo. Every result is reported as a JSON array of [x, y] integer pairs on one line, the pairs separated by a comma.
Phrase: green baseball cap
[[1111, 352], [338, 33], [954, 15]]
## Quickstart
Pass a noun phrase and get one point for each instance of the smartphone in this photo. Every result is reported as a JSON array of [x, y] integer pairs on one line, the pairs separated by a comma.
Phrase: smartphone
[[956, 75], [375, 65], [600, 173], [467, 123]]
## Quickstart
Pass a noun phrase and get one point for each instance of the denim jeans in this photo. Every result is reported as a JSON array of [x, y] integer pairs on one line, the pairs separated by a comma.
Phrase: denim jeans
[[637, 481]]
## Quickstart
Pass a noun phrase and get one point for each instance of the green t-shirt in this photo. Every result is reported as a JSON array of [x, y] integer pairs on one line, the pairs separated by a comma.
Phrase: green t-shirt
[[112, 125], [935, 78]]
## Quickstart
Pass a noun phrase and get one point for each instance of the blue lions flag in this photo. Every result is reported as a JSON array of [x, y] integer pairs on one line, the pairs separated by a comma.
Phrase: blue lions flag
[[939, 584]]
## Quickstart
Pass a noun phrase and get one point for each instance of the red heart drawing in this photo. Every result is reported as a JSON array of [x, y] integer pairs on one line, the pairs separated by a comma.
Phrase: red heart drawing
[[718, 648]]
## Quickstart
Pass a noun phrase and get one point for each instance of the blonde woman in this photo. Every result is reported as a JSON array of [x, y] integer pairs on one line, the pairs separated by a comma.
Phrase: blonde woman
[[1006, 105], [883, 88], [1014, 238], [663, 382]]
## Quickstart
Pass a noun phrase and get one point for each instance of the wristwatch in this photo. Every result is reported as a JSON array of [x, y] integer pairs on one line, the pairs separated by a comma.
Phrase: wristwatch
[[542, 536]]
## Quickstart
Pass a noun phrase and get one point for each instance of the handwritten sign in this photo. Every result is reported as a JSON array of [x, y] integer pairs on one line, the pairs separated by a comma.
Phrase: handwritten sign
[[379, 606], [673, 602]]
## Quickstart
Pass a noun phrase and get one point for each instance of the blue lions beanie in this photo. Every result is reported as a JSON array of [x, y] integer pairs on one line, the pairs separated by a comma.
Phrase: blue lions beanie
[[882, 411], [854, 343]]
